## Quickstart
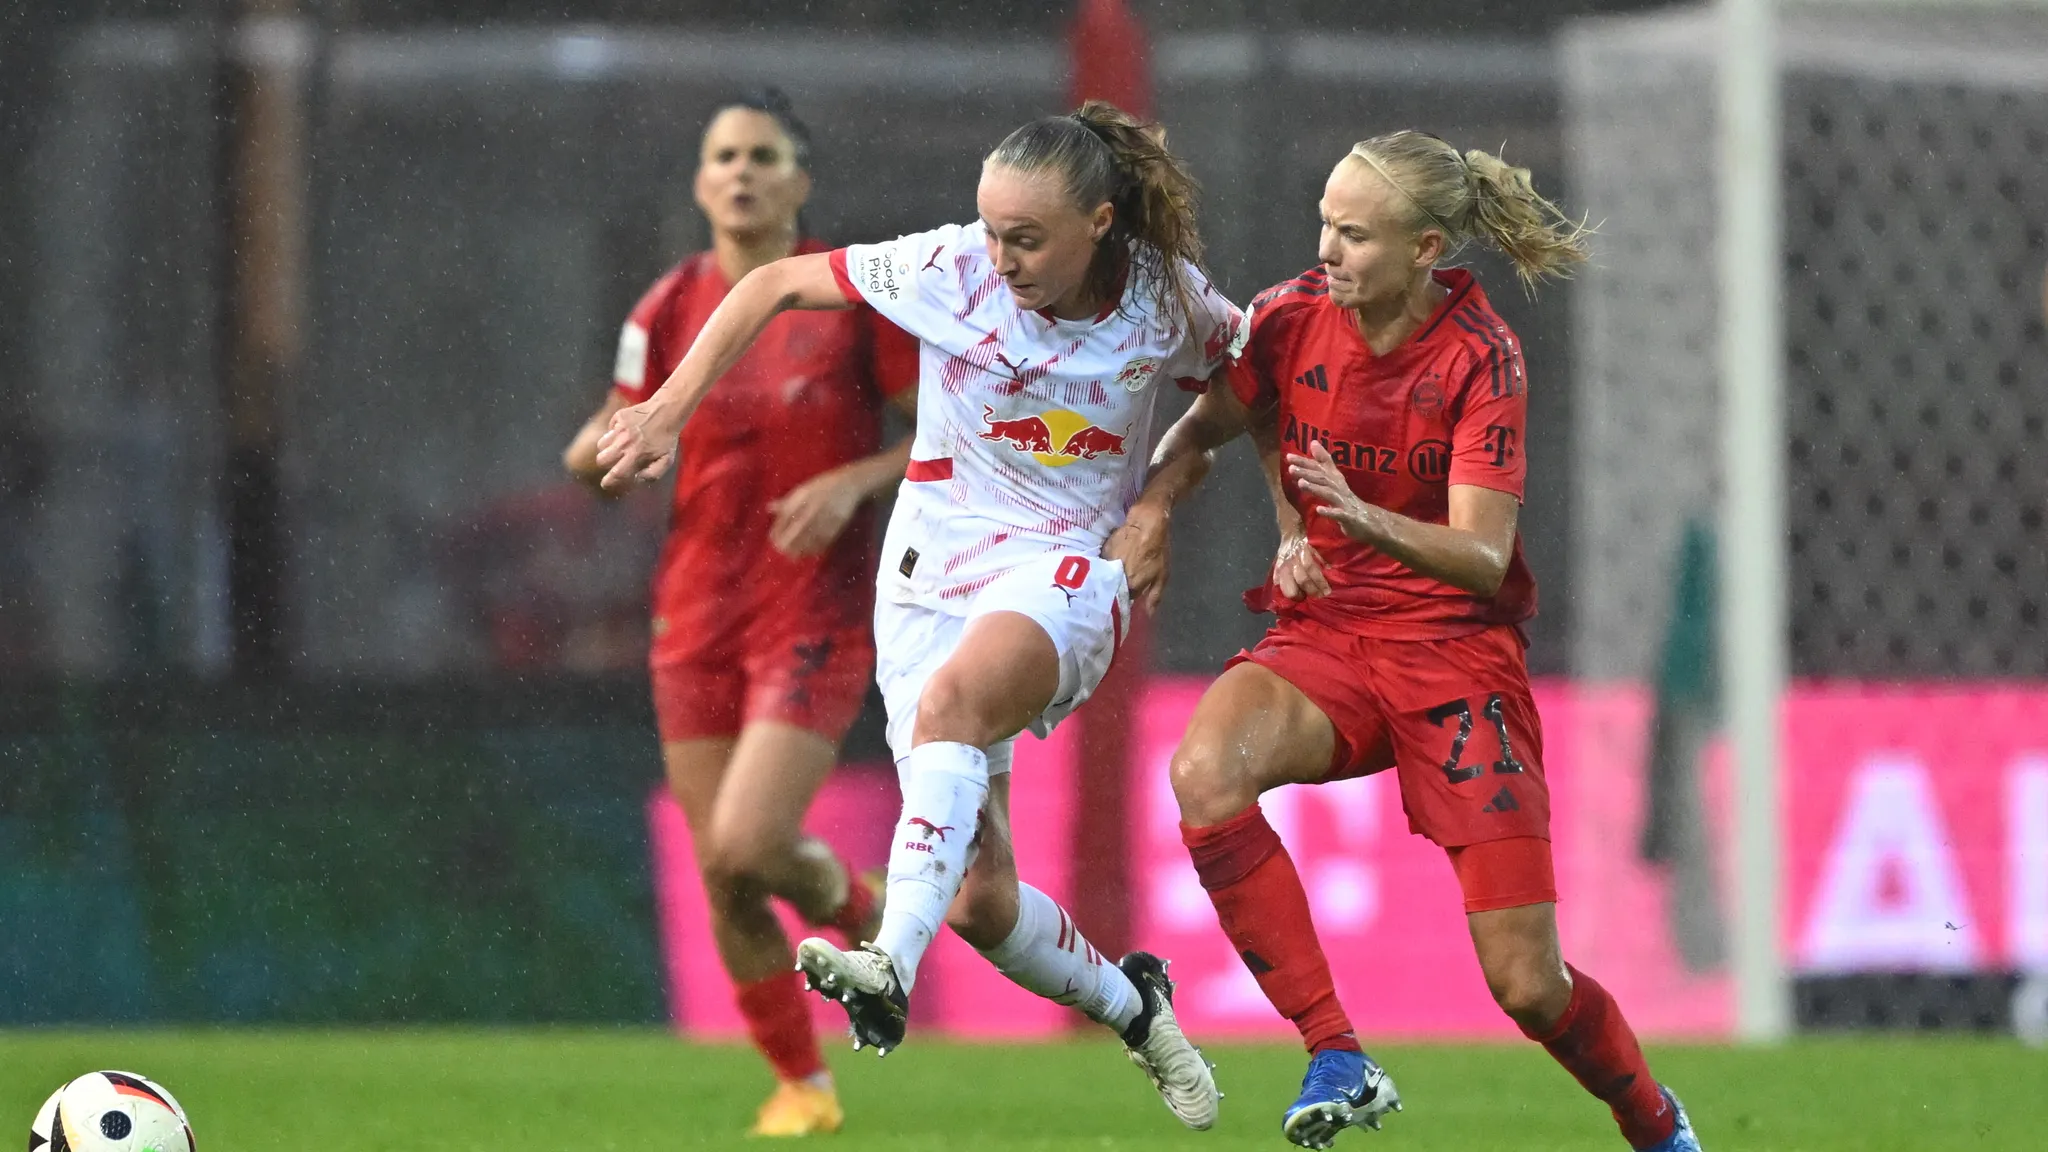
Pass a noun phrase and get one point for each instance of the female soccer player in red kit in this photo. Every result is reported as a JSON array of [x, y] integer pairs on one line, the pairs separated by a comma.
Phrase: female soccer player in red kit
[[762, 653], [1398, 397]]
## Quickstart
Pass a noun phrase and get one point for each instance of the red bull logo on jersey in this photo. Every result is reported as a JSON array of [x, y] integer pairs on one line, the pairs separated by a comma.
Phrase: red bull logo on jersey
[[1056, 438]]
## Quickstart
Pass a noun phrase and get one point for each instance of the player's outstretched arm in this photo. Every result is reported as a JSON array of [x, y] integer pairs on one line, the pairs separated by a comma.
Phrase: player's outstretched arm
[[1471, 552], [1182, 459], [641, 443]]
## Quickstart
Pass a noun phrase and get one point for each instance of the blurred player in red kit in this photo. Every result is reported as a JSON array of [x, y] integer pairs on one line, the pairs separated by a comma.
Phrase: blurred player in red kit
[[762, 654], [1398, 398]]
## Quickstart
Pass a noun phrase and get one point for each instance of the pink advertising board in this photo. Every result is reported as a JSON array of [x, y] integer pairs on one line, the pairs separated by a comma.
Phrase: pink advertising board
[[1916, 838]]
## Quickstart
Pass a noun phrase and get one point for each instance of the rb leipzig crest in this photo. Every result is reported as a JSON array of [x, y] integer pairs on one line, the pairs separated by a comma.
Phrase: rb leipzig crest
[[1138, 373]]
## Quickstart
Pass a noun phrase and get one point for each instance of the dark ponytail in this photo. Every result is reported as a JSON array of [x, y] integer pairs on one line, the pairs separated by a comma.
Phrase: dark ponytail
[[1103, 153]]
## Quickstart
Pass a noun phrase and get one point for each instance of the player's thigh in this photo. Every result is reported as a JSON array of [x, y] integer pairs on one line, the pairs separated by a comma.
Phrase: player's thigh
[[1252, 731], [696, 770], [1000, 676], [775, 772], [696, 711]]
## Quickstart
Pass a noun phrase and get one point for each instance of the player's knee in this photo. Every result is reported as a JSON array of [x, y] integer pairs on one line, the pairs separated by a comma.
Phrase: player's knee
[[1209, 785], [1532, 994], [736, 868], [948, 710]]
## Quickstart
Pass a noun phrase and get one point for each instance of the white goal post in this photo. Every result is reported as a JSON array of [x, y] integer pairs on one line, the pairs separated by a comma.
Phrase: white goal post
[[1752, 515]]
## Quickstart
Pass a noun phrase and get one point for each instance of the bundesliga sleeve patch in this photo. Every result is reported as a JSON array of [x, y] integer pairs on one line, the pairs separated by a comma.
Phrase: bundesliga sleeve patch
[[630, 371]]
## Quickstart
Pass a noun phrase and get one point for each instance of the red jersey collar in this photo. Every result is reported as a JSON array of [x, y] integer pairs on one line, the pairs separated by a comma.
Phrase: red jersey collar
[[1462, 286], [707, 260]]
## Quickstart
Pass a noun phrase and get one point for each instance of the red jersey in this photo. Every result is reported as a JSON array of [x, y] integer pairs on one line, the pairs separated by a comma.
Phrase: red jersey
[[806, 398], [1446, 407]]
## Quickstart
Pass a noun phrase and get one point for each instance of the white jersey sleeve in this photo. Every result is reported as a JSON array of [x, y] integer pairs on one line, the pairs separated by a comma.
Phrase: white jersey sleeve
[[915, 281]]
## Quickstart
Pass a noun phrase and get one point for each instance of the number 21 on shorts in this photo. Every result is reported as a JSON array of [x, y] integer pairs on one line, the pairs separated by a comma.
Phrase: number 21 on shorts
[[1461, 710]]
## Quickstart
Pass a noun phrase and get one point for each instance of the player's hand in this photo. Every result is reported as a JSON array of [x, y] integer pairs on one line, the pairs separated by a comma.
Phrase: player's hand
[[810, 516], [1142, 546], [636, 448], [1298, 570], [1320, 481]]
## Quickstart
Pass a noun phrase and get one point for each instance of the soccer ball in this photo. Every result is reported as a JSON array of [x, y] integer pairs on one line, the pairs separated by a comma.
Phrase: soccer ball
[[111, 1112]]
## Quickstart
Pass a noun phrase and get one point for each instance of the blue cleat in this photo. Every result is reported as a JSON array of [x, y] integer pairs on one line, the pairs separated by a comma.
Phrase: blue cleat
[[1341, 1090], [1682, 1138]]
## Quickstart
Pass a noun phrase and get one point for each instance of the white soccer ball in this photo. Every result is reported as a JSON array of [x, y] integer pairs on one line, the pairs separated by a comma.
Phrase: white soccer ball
[[111, 1112]]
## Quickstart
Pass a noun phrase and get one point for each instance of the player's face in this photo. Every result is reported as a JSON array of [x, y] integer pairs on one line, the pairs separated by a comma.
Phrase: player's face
[[1368, 247], [748, 182], [1040, 242]]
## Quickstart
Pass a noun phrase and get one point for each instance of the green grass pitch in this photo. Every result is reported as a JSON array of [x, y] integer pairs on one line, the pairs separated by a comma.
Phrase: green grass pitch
[[498, 1091]]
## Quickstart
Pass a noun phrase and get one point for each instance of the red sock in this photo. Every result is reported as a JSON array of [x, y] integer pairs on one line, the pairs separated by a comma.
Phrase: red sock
[[1599, 1049], [1264, 911], [779, 1019], [852, 918]]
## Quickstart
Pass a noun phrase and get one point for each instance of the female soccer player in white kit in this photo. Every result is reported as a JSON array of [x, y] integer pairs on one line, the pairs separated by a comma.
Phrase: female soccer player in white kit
[[1023, 530]]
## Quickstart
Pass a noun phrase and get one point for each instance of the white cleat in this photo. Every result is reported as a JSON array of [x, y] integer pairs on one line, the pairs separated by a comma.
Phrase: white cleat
[[1156, 1044], [864, 983]]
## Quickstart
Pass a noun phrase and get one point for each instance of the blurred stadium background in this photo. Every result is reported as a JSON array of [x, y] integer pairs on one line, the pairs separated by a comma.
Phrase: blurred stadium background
[[321, 698]]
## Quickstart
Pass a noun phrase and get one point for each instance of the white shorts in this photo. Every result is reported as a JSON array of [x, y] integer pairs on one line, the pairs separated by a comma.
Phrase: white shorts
[[1082, 602]]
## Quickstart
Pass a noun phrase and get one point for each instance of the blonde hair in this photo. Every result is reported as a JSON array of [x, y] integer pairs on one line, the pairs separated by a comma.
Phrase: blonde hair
[[1476, 195]]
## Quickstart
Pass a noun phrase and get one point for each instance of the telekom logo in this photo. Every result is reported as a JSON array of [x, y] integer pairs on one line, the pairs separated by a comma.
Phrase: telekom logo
[[1892, 892]]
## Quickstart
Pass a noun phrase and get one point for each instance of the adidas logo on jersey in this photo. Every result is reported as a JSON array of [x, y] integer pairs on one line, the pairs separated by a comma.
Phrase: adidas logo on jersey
[[1314, 378], [1503, 801]]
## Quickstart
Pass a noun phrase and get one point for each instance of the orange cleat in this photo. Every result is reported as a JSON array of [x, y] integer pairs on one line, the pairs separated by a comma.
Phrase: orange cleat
[[799, 1109]]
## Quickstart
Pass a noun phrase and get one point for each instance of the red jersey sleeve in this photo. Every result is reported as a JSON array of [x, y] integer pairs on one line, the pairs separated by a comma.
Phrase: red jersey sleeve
[[837, 258], [638, 370], [1487, 441], [895, 352]]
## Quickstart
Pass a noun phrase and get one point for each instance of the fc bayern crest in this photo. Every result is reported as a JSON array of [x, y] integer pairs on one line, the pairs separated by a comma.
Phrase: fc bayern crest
[[1138, 373]]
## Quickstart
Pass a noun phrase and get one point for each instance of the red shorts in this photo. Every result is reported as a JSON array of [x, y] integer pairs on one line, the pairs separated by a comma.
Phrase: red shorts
[[1453, 716], [813, 682], [1496, 874]]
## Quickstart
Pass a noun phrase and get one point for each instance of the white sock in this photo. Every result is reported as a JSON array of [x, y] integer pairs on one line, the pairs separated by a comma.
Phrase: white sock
[[1046, 954], [944, 786]]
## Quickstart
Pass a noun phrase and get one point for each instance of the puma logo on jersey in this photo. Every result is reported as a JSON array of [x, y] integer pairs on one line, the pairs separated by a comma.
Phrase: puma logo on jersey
[[931, 829]]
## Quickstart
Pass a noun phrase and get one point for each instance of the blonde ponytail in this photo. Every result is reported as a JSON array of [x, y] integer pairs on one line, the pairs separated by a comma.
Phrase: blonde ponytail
[[1475, 195]]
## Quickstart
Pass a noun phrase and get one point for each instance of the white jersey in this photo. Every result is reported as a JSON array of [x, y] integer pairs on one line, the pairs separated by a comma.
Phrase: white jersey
[[1033, 433]]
